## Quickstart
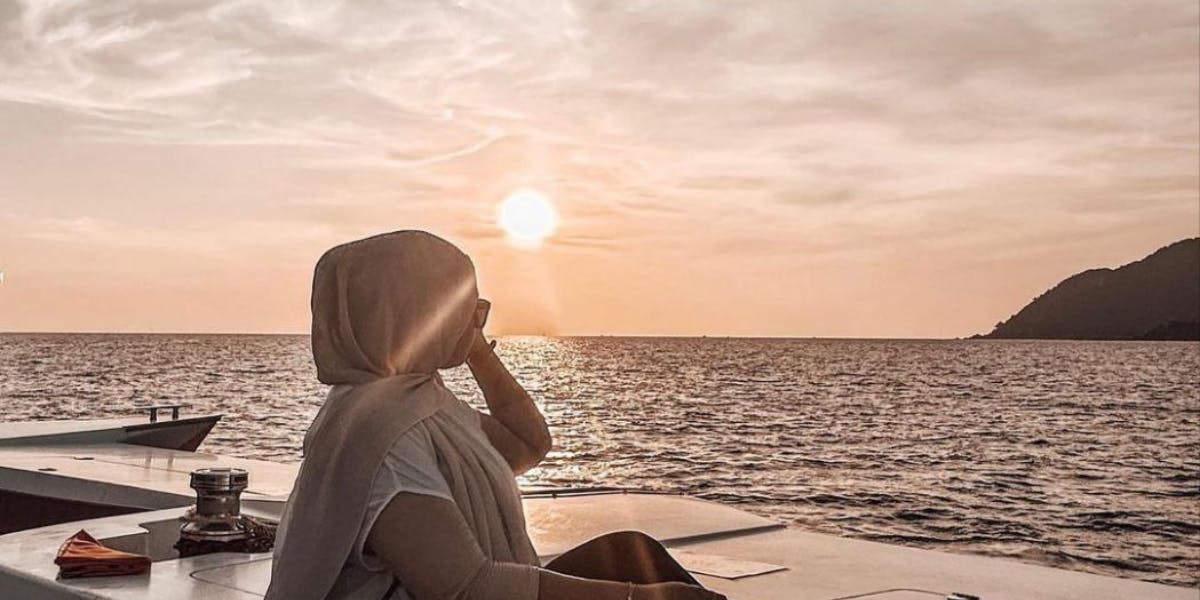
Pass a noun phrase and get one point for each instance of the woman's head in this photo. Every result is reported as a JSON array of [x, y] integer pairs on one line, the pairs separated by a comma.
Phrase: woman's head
[[395, 303]]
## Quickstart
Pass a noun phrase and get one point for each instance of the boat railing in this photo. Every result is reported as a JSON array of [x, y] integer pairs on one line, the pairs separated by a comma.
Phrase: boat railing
[[559, 492], [153, 410]]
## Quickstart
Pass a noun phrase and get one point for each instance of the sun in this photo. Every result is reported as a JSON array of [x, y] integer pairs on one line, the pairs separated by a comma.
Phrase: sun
[[528, 217]]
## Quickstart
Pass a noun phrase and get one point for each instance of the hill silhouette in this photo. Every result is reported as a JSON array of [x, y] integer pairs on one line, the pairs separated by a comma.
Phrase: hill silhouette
[[1157, 297]]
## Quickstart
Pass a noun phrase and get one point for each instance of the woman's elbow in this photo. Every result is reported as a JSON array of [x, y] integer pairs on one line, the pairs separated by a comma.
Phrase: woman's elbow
[[544, 447], [531, 457]]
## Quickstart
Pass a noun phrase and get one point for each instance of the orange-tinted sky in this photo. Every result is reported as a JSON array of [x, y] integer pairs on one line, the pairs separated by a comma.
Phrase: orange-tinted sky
[[828, 168]]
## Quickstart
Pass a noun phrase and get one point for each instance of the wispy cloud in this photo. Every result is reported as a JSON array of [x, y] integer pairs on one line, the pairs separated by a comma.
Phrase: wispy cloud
[[676, 128]]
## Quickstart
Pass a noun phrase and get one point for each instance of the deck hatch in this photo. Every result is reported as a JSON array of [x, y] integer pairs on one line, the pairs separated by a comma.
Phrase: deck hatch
[[725, 567]]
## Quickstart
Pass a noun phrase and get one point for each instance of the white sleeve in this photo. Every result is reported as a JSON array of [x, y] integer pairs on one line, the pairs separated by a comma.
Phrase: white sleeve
[[410, 466]]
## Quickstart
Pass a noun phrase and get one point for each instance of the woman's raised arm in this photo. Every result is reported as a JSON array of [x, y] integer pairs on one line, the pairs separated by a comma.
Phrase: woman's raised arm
[[515, 427]]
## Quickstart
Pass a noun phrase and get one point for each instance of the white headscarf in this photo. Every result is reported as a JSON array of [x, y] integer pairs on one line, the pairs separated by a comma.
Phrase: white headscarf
[[388, 312]]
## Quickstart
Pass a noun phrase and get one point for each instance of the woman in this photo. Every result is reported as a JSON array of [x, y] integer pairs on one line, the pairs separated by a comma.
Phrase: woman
[[405, 491]]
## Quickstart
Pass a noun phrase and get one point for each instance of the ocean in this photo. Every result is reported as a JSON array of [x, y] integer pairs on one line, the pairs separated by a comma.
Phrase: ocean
[[1080, 455]]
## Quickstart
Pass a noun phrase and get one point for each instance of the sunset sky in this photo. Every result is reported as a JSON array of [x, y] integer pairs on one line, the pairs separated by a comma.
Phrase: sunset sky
[[840, 168]]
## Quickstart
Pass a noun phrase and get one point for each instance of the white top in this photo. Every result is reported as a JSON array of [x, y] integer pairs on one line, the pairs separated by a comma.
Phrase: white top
[[410, 466]]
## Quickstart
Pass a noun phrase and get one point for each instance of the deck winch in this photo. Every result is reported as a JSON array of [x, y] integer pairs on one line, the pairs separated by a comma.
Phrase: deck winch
[[217, 516]]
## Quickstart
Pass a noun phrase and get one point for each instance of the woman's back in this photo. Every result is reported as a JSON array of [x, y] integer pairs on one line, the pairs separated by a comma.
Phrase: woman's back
[[411, 466]]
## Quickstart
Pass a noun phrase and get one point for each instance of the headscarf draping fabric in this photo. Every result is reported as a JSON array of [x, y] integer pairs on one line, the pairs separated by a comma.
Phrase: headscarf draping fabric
[[387, 313]]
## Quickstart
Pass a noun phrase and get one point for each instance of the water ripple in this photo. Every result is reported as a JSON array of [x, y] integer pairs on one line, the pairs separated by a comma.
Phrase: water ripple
[[1079, 455]]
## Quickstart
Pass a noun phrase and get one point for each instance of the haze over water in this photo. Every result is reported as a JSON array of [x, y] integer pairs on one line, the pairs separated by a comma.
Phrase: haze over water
[[1080, 455]]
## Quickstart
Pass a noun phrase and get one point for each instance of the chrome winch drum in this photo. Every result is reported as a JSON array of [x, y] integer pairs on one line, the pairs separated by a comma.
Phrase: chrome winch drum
[[218, 505]]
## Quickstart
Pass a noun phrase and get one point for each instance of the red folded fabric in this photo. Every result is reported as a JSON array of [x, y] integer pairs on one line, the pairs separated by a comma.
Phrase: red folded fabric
[[82, 556]]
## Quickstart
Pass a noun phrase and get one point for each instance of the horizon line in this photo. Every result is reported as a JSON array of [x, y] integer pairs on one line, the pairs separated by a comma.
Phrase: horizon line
[[504, 335]]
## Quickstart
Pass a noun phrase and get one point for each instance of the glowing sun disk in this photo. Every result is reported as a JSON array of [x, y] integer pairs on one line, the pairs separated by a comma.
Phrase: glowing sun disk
[[528, 217]]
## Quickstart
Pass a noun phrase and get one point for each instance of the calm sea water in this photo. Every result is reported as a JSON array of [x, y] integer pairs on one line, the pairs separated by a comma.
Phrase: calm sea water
[[1082, 455]]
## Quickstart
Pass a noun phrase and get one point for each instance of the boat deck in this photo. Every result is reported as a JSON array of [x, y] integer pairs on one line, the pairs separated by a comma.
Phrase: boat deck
[[706, 537], [128, 475], [745, 556], [177, 433], [23, 431]]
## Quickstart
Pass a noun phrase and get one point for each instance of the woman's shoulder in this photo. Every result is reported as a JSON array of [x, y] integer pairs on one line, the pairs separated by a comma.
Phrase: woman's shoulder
[[414, 446], [459, 410], [417, 439]]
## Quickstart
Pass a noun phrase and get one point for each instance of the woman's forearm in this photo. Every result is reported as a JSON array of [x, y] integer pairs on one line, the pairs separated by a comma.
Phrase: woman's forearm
[[555, 586], [510, 405]]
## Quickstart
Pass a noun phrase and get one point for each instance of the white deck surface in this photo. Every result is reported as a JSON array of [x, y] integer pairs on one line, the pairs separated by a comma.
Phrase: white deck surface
[[125, 475], [11, 431], [820, 567]]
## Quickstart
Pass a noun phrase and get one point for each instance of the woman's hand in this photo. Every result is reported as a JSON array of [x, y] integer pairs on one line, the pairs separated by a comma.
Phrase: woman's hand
[[674, 591], [482, 309], [479, 343]]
